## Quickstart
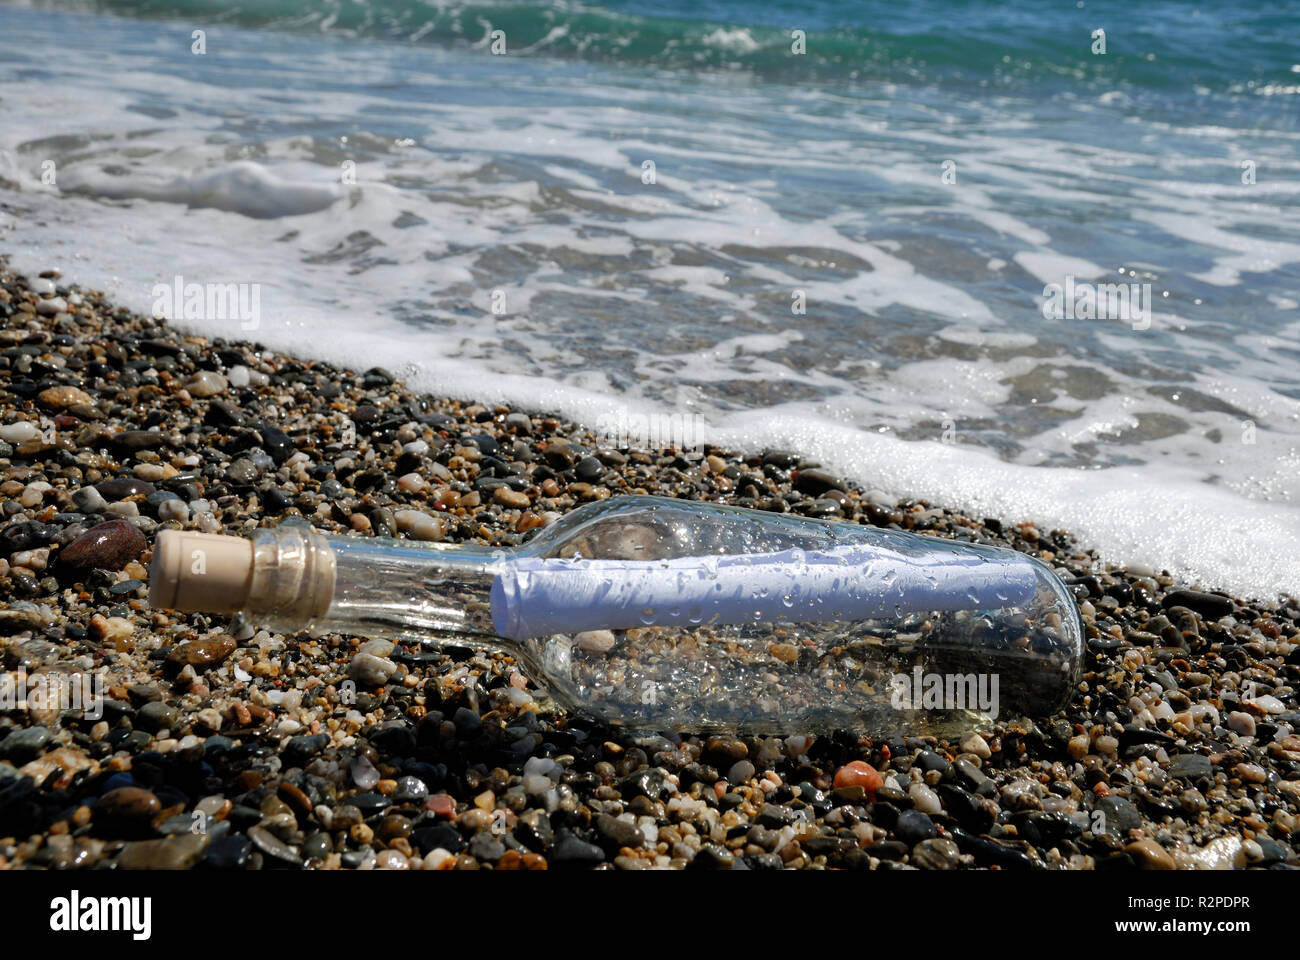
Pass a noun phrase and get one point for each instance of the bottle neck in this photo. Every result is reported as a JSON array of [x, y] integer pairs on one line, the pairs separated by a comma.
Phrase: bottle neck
[[385, 589]]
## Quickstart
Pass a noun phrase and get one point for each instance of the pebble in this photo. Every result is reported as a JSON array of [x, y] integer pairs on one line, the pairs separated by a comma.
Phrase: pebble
[[785, 652], [179, 852], [1149, 855], [1267, 704], [122, 488], [108, 546], [173, 510], [411, 483], [1251, 772], [859, 773], [1190, 766], [419, 525], [19, 432], [89, 500], [115, 631], [368, 669], [24, 744], [925, 799], [620, 832], [206, 383], [938, 853], [573, 851], [510, 498], [1241, 723], [976, 744], [48, 308], [157, 716], [742, 771], [128, 803], [595, 641], [364, 773], [203, 653], [270, 845], [60, 398], [913, 826]]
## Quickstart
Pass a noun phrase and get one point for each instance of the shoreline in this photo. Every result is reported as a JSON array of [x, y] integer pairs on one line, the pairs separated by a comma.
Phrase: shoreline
[[1165, 737]]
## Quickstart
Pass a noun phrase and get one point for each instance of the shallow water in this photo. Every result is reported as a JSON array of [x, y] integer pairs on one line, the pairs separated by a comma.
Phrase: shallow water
[[500, 240]]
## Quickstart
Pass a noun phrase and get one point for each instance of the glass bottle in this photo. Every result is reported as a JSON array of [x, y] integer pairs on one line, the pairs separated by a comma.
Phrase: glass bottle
[[663, 614]]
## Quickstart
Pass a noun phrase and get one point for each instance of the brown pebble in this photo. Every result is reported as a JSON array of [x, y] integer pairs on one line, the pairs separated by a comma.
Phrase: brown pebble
[[59, 398], [393, 827], [510, 498], [295, 798], [107, 546], [204, 653], [514, 860], [128, 803], [785, 652], [529, 521], [249, 780], [1149, 855], [122, 488]]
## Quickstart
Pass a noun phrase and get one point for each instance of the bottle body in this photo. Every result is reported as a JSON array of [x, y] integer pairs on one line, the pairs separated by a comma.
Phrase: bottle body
[[662, 614]]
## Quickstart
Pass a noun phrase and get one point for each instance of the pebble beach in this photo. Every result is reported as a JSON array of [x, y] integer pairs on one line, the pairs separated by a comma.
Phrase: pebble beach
[[224, 746]]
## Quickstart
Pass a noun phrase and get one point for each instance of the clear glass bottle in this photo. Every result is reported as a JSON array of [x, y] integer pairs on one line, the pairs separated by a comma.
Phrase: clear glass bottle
[[665, 614]]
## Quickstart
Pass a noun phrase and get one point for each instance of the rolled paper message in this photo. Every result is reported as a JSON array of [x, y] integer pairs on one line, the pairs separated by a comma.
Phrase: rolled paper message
[[537, 597]]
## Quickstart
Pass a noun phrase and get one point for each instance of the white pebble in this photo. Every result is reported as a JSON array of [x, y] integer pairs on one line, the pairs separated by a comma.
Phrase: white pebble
[[377, 648], [238, 376], [176, 510], [1241, 723], [541, 765], [595, 641], [19, 432], [123, 508], [206, 383], [41, 285], [37, 559], [370, 669], [419, 525], [411, 483], [435, 858], [974, 743], [536, 783], [34, 493], [924, 799], [364, 773]]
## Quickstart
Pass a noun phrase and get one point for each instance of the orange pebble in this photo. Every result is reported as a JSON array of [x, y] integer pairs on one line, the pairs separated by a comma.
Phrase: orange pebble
[[859, 774]]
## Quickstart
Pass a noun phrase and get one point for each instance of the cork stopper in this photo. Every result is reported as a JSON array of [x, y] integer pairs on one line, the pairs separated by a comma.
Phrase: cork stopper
[[284, 575]]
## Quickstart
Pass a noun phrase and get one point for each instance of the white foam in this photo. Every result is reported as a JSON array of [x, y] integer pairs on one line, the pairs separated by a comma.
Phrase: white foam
[[244, 188], [1208, 536], [1054, 267]]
